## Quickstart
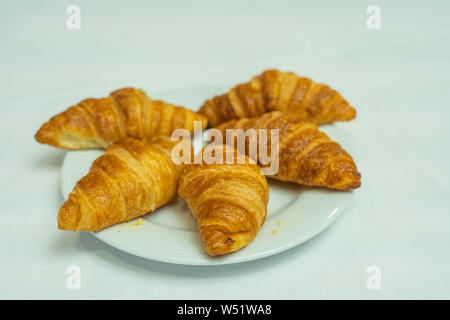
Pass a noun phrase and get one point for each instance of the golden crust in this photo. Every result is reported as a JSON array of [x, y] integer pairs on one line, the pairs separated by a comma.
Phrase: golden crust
[[130, 179], [127, 112], [228, 201], [274, 90], [306, 155]]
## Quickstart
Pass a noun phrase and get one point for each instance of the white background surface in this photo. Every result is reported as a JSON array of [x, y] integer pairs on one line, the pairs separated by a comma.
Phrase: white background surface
[[397, 77]]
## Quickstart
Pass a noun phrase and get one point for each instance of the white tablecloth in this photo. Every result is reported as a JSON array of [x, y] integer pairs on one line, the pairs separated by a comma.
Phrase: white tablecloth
[[397, 77]]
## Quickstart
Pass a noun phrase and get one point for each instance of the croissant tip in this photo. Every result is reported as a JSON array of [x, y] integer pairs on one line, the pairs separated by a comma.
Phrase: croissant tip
[[217, 250], [342, 177], [217, 243], [47, 135], [351, 186], [69, 216], [352, 113], [42, 136], [354, 181]]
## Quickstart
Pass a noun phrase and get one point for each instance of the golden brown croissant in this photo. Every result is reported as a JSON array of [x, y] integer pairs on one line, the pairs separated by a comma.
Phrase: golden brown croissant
[[228, 201], [274, 90], [128, 112], [131, 178], [306, 155]]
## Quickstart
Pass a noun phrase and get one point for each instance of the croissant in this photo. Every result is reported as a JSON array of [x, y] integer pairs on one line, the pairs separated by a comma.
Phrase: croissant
[[274, 90], [128, 112], [130, 179], [228, 201], [306, 155]]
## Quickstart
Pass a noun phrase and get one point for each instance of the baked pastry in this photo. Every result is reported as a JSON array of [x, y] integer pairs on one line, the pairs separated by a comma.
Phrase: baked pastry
[[228, 201], [128, 112], [274, 90], [130, 179], [306, 155]]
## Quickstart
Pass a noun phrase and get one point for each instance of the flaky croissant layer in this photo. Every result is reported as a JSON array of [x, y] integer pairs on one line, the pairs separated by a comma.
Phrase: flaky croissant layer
[[306, 155], [128, 112], [129, 180], [228, 202], [274, 90]]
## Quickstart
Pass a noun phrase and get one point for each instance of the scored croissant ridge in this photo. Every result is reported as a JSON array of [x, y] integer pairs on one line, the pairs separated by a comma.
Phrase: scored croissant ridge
[[274, 90], [228, 201], [127, 112], [130, 179], [306, 155]]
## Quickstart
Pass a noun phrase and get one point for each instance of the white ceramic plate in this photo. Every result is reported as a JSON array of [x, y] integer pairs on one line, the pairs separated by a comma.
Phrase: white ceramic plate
[[295, 214]]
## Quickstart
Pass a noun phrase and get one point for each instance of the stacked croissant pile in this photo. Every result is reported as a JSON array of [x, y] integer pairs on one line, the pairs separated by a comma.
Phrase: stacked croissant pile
[[136, 174]]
